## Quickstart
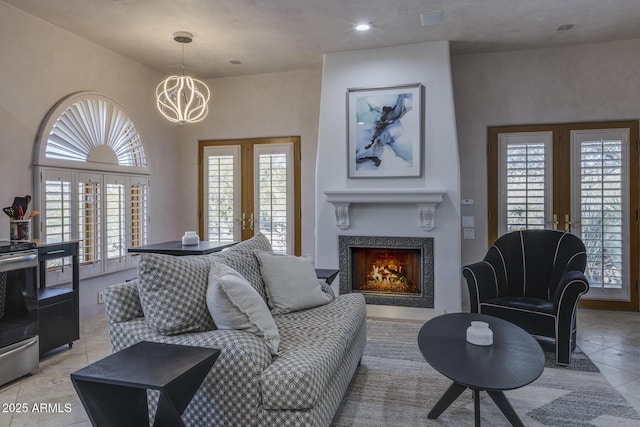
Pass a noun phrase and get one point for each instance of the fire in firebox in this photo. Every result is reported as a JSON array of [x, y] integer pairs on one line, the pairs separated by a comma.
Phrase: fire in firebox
[[388, 270]]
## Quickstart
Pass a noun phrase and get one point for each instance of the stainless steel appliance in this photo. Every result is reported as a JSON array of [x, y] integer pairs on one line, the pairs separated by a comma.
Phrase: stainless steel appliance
[[19, 351]]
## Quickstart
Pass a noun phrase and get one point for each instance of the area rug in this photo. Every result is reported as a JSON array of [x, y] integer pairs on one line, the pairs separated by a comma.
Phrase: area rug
[[394, 386]]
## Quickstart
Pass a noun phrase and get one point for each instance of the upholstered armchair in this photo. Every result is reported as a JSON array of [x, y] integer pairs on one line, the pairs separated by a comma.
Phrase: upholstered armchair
[[534, 279]]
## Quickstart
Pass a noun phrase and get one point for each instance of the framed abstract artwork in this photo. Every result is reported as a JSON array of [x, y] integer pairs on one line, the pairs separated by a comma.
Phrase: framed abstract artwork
[[385, 131]]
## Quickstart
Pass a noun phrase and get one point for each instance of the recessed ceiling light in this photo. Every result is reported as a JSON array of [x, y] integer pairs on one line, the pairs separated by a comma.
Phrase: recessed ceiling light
[[363, 27], [565, 27]]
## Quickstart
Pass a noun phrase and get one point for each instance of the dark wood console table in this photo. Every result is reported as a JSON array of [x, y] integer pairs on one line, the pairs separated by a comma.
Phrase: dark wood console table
[[58, 306], [178, 249]]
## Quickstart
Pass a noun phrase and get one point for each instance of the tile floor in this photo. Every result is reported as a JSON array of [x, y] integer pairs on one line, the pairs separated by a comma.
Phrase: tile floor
[[611, 339]]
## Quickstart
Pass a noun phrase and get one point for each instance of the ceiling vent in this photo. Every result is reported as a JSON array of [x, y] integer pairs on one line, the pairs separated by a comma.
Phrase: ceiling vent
[[430, 18]]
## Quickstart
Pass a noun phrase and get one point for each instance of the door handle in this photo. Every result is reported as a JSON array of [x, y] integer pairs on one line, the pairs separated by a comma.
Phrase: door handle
[[567, 223], [244, 221], [555, 221], [251, 221]]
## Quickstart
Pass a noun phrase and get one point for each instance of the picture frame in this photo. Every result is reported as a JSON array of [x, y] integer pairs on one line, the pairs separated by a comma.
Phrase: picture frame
[[385, 131]]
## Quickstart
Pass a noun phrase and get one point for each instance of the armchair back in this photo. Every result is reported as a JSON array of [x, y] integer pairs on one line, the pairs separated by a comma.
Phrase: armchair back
[[530, 263]]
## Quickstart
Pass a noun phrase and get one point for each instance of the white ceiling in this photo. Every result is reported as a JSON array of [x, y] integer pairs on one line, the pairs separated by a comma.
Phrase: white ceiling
[[281, 35]]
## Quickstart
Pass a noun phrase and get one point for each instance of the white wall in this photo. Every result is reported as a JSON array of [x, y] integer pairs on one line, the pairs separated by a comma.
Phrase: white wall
[[267, 105], [594, 82], [39, 65], [426, 63]]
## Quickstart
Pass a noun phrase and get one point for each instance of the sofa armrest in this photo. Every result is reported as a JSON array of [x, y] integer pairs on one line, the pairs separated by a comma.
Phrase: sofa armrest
[[122, 302], [482, 283]]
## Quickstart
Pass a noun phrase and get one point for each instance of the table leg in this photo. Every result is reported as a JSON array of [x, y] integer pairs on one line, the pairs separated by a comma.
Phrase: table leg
[[176, 396], [501, 401], [476, 407], [446, 400], [167, 415], [112, 405]]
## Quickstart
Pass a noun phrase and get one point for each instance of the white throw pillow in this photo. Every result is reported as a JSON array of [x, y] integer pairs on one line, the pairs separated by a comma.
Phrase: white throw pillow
[[235, 304], [291, 283]]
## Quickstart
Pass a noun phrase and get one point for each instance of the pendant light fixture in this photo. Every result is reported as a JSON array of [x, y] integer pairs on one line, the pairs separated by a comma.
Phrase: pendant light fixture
[[182, 99]]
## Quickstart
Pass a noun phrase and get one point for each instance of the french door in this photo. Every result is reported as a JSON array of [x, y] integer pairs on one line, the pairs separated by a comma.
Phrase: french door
[[251, 186], [581, 178]]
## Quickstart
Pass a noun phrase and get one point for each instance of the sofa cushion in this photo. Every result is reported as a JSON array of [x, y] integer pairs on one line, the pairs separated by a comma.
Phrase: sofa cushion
[[235, 304], [291, 283], [240, 257], [313, 343], [173, 292]]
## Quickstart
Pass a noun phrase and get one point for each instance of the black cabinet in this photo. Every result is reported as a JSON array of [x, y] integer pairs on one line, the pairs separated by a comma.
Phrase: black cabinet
[[59, 306]]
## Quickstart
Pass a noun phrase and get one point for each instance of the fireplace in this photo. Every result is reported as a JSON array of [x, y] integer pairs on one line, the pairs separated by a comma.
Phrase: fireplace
[[388, 270]]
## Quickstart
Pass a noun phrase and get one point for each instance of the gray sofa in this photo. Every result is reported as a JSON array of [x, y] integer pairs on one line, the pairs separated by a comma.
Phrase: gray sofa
[[302, 385]]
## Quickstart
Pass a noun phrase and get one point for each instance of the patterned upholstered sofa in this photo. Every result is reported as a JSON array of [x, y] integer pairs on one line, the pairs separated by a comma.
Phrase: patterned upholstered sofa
[[302, 385]]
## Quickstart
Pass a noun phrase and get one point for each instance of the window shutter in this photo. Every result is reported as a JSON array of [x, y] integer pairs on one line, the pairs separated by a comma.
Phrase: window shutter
[[89, 221], [139, 211], [115, 219], [88, 152], [56, 217]]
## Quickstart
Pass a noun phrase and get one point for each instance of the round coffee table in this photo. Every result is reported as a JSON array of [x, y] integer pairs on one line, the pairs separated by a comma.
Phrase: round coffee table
[[514, 360]]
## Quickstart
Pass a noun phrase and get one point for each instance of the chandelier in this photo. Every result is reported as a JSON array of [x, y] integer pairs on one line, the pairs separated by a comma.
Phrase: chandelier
[[182, 99]]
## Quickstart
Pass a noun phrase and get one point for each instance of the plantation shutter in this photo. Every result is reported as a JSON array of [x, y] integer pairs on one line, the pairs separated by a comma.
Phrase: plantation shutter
[[222, 193], [57, 204], [115, 194], [601, 181], [273, 183], [139, 211], [525, 181], [90, 222]]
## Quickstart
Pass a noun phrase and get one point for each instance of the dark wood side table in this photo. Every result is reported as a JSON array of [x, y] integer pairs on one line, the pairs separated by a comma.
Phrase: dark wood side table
[[327, 274], [114, 390], [514, 360], [178, 249]]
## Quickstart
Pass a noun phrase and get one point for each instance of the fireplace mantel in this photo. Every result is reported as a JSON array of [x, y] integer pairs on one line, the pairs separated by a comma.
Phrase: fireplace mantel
[[425, 200]]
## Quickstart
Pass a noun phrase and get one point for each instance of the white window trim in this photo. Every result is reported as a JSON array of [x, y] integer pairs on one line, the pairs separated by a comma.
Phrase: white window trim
[[115, 125]]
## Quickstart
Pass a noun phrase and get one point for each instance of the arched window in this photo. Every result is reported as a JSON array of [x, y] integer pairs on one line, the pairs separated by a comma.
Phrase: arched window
[[92, 182]]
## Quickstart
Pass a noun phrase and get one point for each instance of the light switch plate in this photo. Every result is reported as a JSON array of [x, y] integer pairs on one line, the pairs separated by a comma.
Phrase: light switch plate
[[468, 233], [468, 221]]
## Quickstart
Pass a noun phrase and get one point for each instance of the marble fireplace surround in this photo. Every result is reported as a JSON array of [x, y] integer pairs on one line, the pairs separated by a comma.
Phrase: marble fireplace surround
[[425, 244]]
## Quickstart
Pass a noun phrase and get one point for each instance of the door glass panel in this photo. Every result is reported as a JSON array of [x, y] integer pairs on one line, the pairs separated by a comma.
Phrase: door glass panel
[[222, 189], [525, 181], [273, 206], [251, 186], [600, 187]]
